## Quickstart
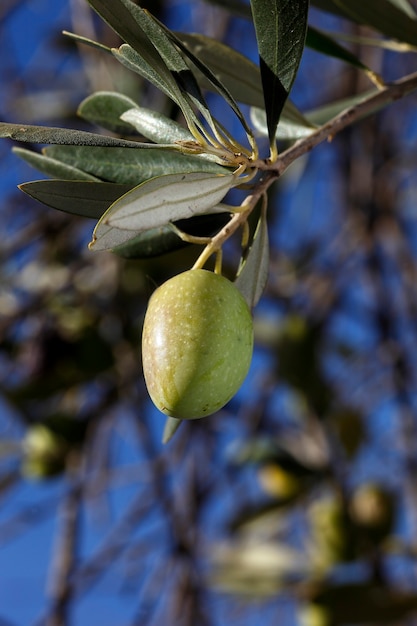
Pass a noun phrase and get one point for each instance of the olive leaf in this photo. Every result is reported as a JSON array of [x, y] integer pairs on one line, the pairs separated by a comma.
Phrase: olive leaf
[[316, 117], [332, 6], [324, 43], [178, 58], [281, 28], [406, 7], [239, 74], [122, 17], [323, 114], [290, 127], [133, 61], [152, 242], [105, 108], [211, 77], [149, 52], [130, 167], [86, 41], [159, 201], [63, 136], [384, 16], [174, 61], [155, 126], [157, 241], [253, 273], [393, 18], [52, 167], [87, 199]]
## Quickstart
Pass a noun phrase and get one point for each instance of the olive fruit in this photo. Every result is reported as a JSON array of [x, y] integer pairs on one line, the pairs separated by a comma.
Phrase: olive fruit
[[197, 344]]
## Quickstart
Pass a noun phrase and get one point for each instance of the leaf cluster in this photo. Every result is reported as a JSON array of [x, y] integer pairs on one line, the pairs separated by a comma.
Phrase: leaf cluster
[[142, 185]]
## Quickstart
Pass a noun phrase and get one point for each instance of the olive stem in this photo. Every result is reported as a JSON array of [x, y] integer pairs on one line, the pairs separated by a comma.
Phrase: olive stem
[[218, 263], [194, 239], [238, 219]]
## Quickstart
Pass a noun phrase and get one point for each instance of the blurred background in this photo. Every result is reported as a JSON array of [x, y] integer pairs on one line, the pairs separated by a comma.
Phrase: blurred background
[[295, 504]]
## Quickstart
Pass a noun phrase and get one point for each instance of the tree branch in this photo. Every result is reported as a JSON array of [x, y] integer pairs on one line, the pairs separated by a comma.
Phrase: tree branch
[[65, 554], [392, 92]]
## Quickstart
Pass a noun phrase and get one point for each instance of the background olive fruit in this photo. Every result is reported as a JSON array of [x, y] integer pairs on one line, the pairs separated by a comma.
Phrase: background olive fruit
[[45, 453], [197, 344]]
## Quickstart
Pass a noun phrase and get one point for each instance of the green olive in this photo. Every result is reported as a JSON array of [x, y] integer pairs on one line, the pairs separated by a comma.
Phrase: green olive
[[197, 344]]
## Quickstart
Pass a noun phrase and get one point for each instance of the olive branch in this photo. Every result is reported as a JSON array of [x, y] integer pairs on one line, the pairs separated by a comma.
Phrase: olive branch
[[153, 185]]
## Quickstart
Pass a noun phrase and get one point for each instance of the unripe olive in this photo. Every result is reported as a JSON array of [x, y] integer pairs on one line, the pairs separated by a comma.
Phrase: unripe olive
[[197, 344]]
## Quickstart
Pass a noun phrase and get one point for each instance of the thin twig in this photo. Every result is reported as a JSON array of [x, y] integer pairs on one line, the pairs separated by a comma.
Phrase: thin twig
[[395, 91], [392, 92], [65, 553]]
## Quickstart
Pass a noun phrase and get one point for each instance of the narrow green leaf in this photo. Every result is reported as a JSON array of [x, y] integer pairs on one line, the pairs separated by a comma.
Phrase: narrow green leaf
[[130, 167], [131, 59], [240, 75], [211, 77], [63, 136], [168, 198], [164, 42], [155, 126], [105, 108], [384, 16], [150, 243], [405, 6], [291, 126], [321, 42], [323, 114], [122, 17], [86, 41], [159, 201], [331, 6], [87, 199], [392, 18], [52, 167], [281, 27], [253, 274], [141, 55], [376, 42], [290, 130]]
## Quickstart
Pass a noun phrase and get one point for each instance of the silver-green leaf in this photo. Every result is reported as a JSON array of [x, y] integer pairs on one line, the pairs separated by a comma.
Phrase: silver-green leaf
[[105, 109], [253, 274], [155, 126], [159, 201], [52, 167], [130, 167]]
